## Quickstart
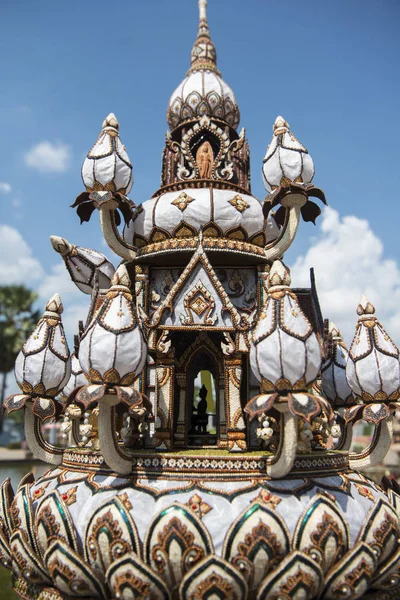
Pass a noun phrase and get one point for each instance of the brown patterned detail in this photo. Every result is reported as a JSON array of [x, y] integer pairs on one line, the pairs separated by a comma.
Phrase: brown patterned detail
[[94, 375], [364, 491], [112, 376], [51, 525], [267, 498], [256, 543], [389, 529], [56, 566], [182, 201], [27, 562], [260, 536], [238, 203], [158, 235], [211, 230], [363, 571], [327, 529], [110, 534], [40, 491], [297, 576], [70, 575], [237, 233], [139, 241], [258, 240], [216, 585], [5, 552], [176, 541], [200, 301], [213, 578], [126, 503], [184, 230], [130, 577], [198, 506], [137, 587], [381, 530], [322, 533], [351, 576], [210, 243], [177, 532], [199, 305], [53, 522], [6, 499], [106, 523], [14, 514], [69, 496]]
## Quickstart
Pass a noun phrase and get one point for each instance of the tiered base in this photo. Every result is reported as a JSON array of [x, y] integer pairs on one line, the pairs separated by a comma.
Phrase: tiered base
[[196, 526]]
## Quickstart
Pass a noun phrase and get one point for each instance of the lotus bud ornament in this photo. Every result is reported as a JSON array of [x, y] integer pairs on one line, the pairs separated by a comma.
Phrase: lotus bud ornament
[[285, 354], [114, 325], [83, 264], [77, 378], [107, 175], [107, 166], [373, 368], [287, 171], [333, 371], [43, 366]]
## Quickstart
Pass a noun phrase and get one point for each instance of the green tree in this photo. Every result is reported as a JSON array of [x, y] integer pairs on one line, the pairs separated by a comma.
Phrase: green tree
[[17, 319]]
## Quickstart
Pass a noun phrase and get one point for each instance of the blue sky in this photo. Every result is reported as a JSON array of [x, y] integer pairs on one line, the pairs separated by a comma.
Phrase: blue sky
[[330, 68]]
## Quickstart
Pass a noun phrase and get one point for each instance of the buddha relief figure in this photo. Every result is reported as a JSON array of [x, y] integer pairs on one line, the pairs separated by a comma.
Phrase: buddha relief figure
[[205, 159]]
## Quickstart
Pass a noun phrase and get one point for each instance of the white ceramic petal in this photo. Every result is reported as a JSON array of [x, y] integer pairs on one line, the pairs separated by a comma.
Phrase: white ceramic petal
[[104, 169], [291, 163], [108, 162]]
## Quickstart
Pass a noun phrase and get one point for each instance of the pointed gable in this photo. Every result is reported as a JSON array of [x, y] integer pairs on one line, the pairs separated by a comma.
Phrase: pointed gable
[[197, 300]]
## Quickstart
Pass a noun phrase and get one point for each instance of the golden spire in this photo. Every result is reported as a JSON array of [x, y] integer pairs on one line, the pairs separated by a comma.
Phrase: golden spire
[[203, 55]]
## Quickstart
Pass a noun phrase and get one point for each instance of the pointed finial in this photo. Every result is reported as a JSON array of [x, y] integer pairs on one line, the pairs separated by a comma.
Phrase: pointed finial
[[279, 274], [280, 126], [365, 307], [203, 55], [203, 10], [121, 277], [110, 121], [61, 245], [334, 331], [54, 305]]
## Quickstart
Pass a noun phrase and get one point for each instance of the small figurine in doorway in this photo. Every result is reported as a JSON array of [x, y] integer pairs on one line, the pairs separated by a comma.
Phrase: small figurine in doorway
[[200, 421]]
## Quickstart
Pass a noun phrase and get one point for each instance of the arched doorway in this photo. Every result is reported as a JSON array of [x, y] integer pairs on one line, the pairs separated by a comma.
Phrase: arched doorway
[[202, 401]]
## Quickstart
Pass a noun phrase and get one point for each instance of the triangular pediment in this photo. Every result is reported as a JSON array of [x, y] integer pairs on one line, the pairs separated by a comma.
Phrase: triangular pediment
[[197, 300]]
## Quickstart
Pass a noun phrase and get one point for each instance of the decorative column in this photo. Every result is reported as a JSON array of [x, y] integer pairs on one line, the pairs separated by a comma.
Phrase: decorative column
[[222, 437], [236, 426], [180, 433], [141, 291], [141, 286], [150, 392], [165, 374]]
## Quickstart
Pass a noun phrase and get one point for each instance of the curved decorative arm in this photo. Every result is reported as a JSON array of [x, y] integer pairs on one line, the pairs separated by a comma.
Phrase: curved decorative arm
[[74, 438], [346, 436], [278, 247], [36, 442], [116, 459], [378, 448], [112, 236], [281, 463]]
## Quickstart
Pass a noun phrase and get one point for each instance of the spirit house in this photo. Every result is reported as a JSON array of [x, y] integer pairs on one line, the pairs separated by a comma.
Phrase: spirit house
[[207, 408]]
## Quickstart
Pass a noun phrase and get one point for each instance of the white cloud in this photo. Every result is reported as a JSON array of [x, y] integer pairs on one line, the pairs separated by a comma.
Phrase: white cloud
[[19, 266], [48, 157], [348, 259], [5, 188], [17, 263]]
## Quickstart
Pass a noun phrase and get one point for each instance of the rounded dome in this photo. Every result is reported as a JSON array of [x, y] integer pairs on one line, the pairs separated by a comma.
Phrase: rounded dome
[[218, 213], [203, 92]]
